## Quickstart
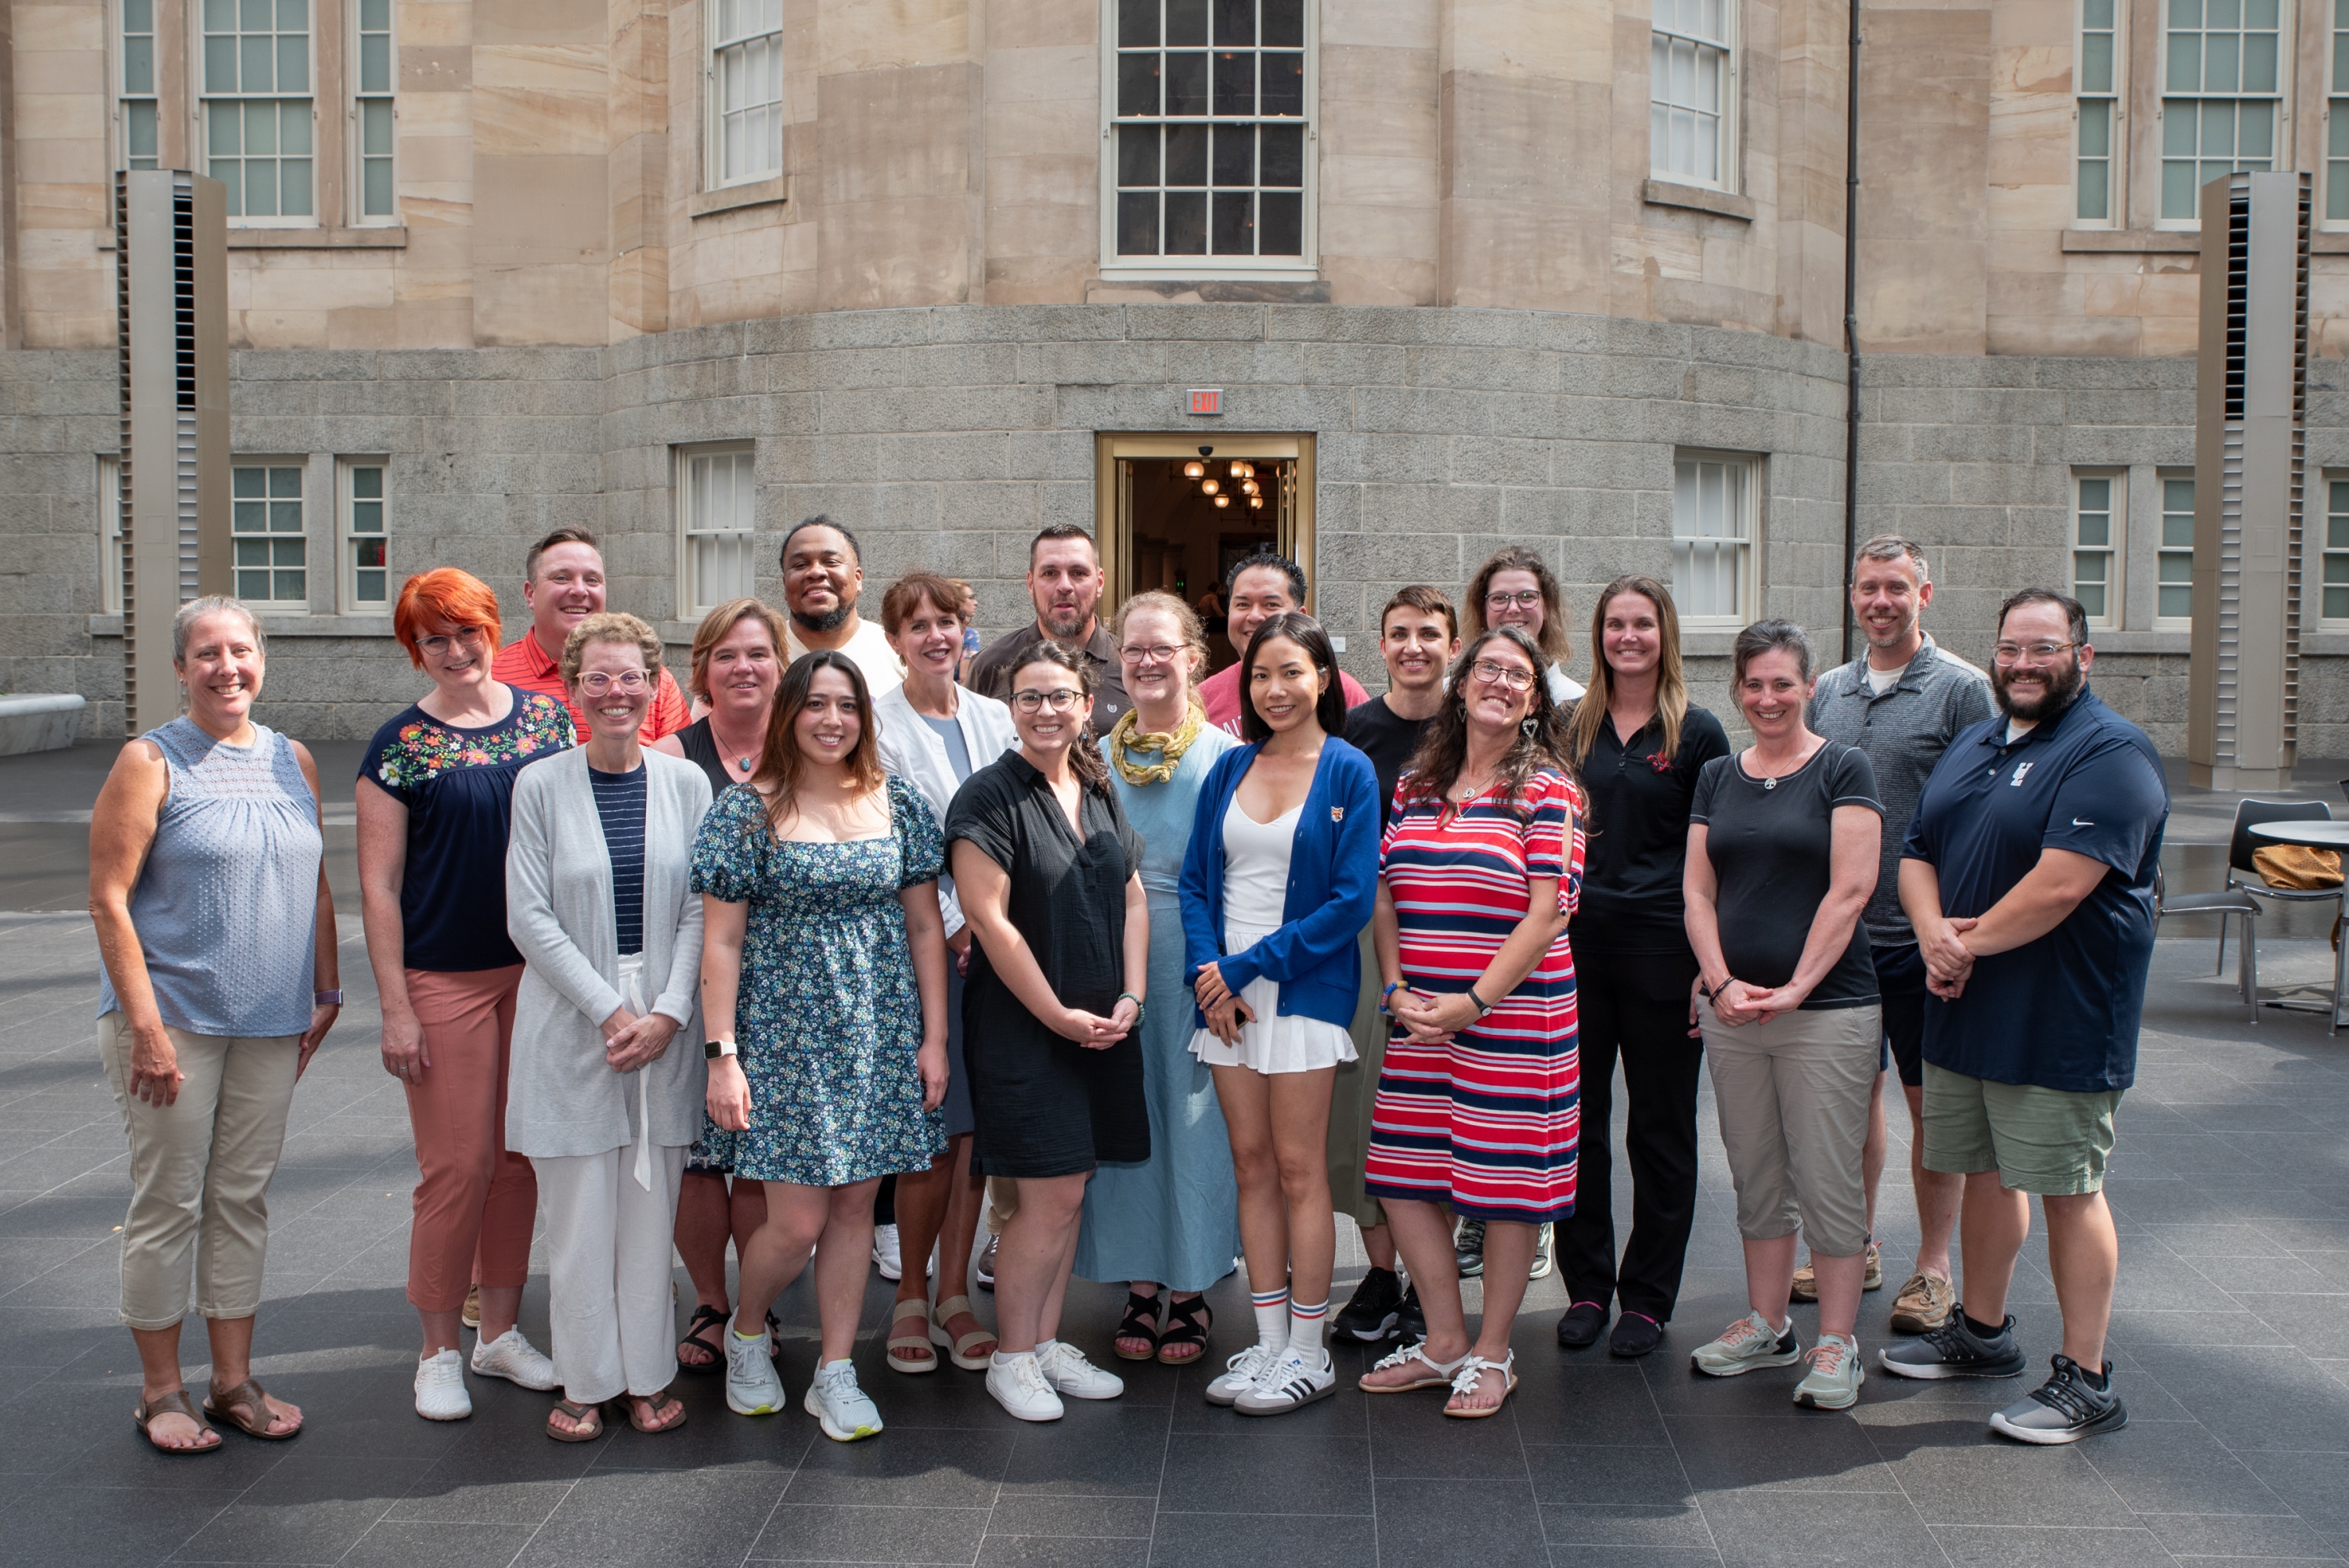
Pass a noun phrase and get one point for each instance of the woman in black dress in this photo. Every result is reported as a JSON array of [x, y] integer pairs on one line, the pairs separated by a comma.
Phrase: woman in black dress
[[737, 665], [1050, 877]]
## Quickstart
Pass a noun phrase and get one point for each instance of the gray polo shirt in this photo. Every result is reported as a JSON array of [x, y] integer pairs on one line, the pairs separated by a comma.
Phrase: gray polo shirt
[[1904, 732]]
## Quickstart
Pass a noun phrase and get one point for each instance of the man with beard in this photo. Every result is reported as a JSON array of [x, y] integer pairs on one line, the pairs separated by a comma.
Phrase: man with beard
[[563, 583], [822, 573], [2028, 875], [1064, 581]]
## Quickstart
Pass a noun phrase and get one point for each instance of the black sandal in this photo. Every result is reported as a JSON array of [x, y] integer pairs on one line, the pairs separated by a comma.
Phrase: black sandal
[[704, 1319], [1140, 1322], [1187, 1323]]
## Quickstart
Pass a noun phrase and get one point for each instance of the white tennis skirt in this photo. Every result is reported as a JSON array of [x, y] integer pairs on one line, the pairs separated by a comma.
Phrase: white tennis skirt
[[1273, 1044]]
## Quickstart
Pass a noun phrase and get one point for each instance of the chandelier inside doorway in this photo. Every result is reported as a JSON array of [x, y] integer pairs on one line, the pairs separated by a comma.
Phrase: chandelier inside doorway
[[1227, 484]]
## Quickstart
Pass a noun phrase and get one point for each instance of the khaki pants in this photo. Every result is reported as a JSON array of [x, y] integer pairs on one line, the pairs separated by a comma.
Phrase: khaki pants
[[200, 1170], [1002, 1201], [1792, 1096], [1354, 1092]]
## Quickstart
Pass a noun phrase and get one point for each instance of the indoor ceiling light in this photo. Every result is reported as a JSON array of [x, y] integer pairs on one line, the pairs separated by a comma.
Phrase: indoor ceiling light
[[1239, 469], [1257, 503], [1248, 486], [1193, 469], [1222, 501], [1208, 487]]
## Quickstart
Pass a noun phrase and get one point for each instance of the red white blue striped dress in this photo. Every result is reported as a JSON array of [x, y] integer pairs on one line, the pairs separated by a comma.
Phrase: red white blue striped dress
[[1488, 1122]]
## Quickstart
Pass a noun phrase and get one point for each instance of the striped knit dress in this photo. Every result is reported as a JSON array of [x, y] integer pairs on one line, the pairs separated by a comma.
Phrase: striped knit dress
[[1488, 1122]]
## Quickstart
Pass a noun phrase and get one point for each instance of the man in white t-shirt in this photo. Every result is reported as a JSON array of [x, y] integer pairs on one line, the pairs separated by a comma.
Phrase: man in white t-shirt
[[822, 574]]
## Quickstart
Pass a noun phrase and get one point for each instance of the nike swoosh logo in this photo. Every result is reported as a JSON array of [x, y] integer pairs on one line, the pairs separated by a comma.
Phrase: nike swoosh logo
[[2077, 823]]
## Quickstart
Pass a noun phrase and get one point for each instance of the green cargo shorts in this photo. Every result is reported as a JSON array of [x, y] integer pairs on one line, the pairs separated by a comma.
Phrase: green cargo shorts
[[2050, 1141]]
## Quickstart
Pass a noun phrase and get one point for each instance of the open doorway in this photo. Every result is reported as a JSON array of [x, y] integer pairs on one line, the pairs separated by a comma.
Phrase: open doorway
[[1177, 511]]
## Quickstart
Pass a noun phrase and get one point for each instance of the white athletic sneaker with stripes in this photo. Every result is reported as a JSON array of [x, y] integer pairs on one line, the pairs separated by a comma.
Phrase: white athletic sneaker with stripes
[[1241, 1372], [1287, 1383]]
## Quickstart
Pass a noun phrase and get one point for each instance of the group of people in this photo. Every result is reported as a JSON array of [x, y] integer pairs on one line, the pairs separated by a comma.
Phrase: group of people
[[1151, 970]]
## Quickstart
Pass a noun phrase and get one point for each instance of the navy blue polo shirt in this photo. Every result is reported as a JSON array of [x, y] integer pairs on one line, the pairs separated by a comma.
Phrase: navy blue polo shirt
[[2060, 1012]]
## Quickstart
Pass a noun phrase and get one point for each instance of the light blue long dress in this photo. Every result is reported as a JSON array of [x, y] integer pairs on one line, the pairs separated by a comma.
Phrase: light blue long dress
[[1174, 1218]]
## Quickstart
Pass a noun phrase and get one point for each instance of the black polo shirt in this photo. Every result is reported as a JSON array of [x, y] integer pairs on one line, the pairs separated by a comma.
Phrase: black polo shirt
[[2060, 1012], [1637, 834]]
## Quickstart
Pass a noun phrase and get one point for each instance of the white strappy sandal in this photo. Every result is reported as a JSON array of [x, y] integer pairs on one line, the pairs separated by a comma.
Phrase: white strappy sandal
[[1438, 1374], [1473, 1368]]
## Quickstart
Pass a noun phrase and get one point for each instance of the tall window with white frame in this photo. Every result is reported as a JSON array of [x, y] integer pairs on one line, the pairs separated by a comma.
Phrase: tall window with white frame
[[2096, 107], [2095, 545], [2173, 605], [717, 514], [2222, 94], [109, 535], [2334, 604], [365, 574], [257, 124], [1692, 92], [1715, 499], [267, 535], [2336, 119], [744, 87], [1210, 116], [138, 105], [372, 114]]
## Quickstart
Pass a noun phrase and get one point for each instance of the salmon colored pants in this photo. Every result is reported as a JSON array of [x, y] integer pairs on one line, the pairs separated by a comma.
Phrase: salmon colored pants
[[473, 1196]]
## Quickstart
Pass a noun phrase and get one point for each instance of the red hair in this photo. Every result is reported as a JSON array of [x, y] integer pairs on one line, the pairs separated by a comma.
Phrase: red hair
[[444, 594]]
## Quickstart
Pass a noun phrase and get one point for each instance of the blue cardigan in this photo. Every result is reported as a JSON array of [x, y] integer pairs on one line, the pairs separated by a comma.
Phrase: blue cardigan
[[1333, 885]]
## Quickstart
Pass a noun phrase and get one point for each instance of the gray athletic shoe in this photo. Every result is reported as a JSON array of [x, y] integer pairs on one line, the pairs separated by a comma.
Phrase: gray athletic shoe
[[1833, 1382], [1953, 1350], [2064, 1408], [1747, 1343]]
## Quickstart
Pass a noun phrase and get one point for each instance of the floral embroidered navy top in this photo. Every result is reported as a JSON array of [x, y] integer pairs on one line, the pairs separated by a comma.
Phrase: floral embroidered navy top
[[458, 786]]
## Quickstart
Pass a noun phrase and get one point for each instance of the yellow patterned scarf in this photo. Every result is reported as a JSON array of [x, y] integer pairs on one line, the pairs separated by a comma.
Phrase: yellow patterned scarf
[[1127, 732]]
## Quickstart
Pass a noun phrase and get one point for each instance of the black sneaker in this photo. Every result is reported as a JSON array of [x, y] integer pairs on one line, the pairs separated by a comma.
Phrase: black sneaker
[[1370, 1316], [1469, 1243], [1953, 1350], [1636, 1335], [1584, 1321], [1411, 1320], [2064, 1408], [1544, 1252]]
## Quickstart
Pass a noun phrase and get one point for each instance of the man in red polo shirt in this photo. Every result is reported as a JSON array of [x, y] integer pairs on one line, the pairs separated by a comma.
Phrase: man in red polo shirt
[[1258, 589], [563, 583]]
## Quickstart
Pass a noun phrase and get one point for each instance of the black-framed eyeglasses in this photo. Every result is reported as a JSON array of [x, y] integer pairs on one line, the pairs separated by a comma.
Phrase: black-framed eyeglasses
[[1060, 699], [1156, 654], [1524, 599]]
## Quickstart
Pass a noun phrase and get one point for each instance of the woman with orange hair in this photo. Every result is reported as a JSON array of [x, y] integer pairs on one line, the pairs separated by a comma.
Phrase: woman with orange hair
[[435, 802]]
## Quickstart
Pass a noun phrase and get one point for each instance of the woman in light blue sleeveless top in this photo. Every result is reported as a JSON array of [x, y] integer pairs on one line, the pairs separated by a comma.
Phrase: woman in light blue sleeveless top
[[1174, 1219], [217, 934]]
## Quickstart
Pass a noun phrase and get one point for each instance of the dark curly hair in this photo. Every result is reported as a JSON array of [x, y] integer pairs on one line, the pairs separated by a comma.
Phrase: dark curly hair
[[1542, 745]]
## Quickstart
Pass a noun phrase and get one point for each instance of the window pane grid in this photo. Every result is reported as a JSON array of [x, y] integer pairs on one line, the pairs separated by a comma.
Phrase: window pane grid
[[1712, 537], [373, 107], [2174, 588], [2337, 552], [271, 556], [2336, 128], [2093, 584], [366, 581], [720, 515], [137, 86], [747, 77], [1211, 128], [1690, 75], [2099, 20], [2223, 82], [256, 101]]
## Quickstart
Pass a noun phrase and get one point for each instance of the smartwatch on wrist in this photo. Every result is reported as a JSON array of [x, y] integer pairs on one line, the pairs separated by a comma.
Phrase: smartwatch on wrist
[[721, 1046], [326, 998]]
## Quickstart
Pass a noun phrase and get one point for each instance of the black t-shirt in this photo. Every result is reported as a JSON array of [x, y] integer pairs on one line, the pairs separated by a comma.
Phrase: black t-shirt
[[1769, 840], [1389, 740], [1638, 834]]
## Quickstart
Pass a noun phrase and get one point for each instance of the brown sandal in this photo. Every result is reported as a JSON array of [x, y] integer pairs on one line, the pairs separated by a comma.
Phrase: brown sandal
[[246, 1407], [175, 1403], [587, 1422], [638, 1404]]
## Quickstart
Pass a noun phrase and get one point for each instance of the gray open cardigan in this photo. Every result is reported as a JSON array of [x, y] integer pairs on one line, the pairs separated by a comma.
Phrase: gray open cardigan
[[562, 1097]]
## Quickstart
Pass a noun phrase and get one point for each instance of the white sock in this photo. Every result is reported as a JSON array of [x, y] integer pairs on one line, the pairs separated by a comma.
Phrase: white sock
[[1271, 1319], [1005, 1357], [1305, 1330], [1044, 1347]]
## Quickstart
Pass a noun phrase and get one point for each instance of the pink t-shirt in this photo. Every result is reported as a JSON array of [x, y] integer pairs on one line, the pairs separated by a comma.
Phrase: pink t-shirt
[[1219, 693]]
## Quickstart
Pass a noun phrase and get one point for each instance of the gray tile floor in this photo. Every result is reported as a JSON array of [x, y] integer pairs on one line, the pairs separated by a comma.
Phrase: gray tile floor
[[2232, 1335]]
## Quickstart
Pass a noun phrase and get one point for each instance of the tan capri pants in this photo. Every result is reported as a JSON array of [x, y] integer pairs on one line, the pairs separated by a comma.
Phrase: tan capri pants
[[1792, 1094], [200, 1170]]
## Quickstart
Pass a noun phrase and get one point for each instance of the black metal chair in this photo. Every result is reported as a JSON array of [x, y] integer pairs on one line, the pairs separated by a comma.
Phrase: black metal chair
[[2234, 903], [2241, 874]]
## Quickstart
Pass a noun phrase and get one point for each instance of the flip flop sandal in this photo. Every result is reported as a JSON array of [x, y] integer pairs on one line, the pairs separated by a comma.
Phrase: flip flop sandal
[[1140, 1322], [587, 1422], [959, 1350], [1187, 1323], [1439, 1373], [705, 1318], [246, 1409], [914, 1338], [1473, 1368], [175, 1403], [655, 1401]]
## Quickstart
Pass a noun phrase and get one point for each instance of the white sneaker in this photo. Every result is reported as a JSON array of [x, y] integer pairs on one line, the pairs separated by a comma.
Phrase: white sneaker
[[1066, 1370], [1018, 1383], [1242, 1371], [839, 1406], [751, 1386], [440, 1387], [1287, 1383], [514, 1358], [887, 1252]]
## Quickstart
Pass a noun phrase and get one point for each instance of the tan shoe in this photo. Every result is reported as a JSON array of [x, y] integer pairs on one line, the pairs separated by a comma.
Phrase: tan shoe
[[1807, 1283], [472, 1315], [1924, 1304], [1873, 1278]]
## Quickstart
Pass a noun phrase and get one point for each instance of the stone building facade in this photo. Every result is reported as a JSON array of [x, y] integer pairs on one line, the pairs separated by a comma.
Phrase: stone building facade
[[1508, 270]]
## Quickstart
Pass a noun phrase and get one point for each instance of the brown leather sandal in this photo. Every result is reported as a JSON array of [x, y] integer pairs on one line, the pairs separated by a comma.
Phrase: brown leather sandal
[[246, 1407], [175, 1403], [587, 1422], [639, 1404]]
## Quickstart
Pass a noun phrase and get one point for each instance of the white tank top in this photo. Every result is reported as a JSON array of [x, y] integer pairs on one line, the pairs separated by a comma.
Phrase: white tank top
[[1255, 866]]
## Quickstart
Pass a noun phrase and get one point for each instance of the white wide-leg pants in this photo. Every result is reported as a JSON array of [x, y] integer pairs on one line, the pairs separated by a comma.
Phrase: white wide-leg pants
[[611, 1247]]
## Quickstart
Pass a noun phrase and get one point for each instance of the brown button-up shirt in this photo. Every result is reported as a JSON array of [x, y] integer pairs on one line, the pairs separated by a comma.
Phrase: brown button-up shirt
[[990, 673]]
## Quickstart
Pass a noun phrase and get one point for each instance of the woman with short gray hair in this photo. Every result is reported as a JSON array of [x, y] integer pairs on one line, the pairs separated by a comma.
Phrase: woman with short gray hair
[[209, 891], [1782, 856]]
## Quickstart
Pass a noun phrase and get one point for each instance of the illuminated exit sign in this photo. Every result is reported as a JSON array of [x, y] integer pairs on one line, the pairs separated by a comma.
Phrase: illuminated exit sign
[[1206, 399]]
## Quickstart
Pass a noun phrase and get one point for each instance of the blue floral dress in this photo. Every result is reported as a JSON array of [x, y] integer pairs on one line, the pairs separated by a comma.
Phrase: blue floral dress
[[827, 1016]]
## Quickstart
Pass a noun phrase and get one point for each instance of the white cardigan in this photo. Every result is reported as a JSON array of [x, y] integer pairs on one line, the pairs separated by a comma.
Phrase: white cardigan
[[912, 750], [562, 1098]]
